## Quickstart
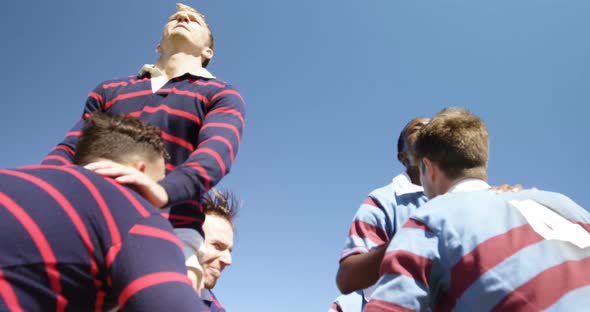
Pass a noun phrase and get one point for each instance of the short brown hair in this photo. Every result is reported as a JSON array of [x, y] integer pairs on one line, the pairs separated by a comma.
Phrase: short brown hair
[[116, 138], [184, 7], [221, 203], [457, 141]]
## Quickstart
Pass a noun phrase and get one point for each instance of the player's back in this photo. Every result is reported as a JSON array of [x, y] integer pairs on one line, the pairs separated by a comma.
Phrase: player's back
[[67, 236], [497, 261]]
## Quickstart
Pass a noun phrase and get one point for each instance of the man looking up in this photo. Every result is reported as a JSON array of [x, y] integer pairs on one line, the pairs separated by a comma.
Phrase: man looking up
[[220, 207], [379, 218], [201, 119], [81, 242], [471, 249]]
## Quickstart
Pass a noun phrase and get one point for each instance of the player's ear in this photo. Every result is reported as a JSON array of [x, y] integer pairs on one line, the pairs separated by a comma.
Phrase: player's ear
[[140, 165], [428, 168], [207, 53]]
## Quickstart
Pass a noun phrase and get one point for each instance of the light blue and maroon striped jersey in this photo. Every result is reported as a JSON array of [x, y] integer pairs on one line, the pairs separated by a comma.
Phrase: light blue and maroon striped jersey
[[201, 121], [75, 241], [352, 302], [475, 251], [380, 216]]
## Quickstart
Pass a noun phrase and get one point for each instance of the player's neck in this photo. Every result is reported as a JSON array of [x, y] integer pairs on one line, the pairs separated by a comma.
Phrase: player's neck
[[178, 63]]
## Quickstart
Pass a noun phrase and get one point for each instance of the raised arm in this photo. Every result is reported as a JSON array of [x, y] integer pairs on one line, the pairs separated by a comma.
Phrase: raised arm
[[148, 272], [218, 141]]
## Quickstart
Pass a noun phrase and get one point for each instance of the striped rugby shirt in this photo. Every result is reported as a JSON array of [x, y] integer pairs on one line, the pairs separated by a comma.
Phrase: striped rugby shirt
[[381, 215], [75, 241], [201, 119], [352, 302], [211, 301], [473, 251]]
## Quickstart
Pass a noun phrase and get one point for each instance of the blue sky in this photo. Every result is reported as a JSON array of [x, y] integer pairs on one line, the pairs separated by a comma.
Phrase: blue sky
[[328, 86]]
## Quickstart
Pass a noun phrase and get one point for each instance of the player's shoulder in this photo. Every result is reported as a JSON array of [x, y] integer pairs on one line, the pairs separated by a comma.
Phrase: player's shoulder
[[118, 82]]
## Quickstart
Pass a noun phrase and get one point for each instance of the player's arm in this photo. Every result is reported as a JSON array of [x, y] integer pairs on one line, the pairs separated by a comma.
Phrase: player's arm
[[218, 141], [367, 241], [410, 267], [63, 153], [360, 271], [148, 272]]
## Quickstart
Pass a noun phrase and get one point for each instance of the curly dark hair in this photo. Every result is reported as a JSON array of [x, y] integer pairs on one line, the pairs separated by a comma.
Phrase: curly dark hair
[[116, 138]]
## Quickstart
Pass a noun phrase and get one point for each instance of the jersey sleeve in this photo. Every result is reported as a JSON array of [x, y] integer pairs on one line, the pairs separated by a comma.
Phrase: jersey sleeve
[[63, 153], [369, 228], [218, 141], [148, 271], [410, 272]]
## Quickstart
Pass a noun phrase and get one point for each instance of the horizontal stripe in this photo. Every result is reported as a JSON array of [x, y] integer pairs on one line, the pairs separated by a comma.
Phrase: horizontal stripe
[[546, 288], [232, 92], [126, 96], [182, 218], [231, 127], [484, 257], [136, 81], [170, 167], [114, 84], [213, 153], [383, 306], [209, 83], [178, 141], [147, 281], [151, 231], [65, 148], [58, 158], [415, 224], [372, 202], [192, 94], [368, 231], [172, 111], [203, 173], [73, 133], [228, 110], [220, 139], [401, 262]]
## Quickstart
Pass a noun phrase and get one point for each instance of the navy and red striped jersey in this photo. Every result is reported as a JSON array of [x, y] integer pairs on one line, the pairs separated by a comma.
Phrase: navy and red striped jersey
[[477, 251], [75, 241], [211, 301], [201, 120]]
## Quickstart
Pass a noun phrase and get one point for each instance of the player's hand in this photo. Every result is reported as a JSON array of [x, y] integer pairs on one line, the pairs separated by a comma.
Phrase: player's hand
[[139, 181], [508, 188]]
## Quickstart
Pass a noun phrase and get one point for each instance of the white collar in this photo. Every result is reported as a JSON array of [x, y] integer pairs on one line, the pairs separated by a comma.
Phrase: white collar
[[469, 185], [155, 72], [402, 184]]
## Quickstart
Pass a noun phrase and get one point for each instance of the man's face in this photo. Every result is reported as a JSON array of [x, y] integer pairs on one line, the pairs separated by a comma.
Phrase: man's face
[[215, 252], [189, 27]]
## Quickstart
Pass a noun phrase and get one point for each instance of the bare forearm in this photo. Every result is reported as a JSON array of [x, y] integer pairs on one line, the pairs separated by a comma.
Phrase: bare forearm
[[360, 271]]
